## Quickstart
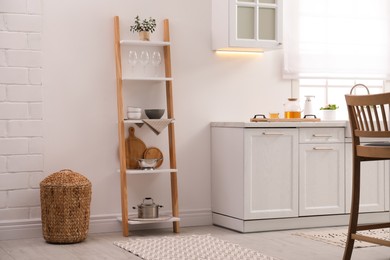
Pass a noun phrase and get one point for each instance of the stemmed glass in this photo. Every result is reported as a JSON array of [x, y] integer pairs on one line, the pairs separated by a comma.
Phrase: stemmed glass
[[133, 59], [156, 60], [145, 59]]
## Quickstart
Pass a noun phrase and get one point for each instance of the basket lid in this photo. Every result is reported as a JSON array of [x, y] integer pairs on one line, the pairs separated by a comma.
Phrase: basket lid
[[65, 177]]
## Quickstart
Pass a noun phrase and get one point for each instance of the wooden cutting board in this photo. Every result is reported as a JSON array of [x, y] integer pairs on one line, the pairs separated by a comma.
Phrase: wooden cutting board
[[135, 149]]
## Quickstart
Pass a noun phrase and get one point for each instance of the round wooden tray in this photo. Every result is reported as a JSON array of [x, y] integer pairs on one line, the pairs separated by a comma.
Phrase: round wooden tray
[[154, 153]]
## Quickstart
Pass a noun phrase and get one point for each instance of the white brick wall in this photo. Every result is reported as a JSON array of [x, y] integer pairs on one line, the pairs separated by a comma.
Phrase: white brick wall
[[25, 128], [21, 163], [23, 58], [20, 198], [22, 22], [3, 164], [10, 146], [21, 120], [13, 110], [14, 213], [14, 181], [2, 93], [13, 6], [36, 111], [24, 93], [13, 40]]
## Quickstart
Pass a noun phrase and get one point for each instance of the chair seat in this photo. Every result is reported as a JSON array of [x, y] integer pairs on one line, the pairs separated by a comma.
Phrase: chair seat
[[374, 150]]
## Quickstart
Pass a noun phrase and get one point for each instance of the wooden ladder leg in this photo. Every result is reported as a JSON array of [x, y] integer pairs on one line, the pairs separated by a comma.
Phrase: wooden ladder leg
[[354, 215]]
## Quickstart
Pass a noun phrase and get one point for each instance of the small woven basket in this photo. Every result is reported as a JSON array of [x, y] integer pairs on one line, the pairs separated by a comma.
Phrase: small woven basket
[[65, 207]]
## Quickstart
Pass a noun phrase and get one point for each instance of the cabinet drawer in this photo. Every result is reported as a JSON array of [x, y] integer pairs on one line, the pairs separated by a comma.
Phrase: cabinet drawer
[[321, 135]]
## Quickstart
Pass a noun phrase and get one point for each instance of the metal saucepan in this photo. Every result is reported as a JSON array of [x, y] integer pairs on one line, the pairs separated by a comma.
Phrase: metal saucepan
[[148, 209]]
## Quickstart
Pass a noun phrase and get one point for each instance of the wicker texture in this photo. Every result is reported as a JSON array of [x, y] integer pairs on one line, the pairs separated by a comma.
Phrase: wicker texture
[[65, 205]]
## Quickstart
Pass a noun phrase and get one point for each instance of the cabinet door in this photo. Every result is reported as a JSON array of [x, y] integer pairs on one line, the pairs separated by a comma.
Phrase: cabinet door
[[270, 173], [373, 185], [321, 179], [255, 23]]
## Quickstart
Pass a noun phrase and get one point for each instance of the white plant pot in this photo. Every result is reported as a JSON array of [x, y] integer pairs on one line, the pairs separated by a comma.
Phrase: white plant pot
[[328, 114]]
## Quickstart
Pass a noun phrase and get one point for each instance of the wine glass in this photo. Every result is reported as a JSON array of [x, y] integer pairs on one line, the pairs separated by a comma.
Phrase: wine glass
[[133, 59], [144, 59], [156, 60]]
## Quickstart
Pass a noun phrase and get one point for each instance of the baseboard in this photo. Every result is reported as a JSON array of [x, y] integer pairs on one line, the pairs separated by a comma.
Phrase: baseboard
[[32, 228]]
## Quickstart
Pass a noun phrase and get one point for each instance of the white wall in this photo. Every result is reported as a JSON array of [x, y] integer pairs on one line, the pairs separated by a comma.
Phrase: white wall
[[80, 130], [21, 124]]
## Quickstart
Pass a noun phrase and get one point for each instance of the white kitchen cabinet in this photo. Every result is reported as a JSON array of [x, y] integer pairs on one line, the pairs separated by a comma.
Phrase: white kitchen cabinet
[[321, 179], [321, 171], [242, 25], [275, 176], [254, 172], [374, 184], [270, 173]]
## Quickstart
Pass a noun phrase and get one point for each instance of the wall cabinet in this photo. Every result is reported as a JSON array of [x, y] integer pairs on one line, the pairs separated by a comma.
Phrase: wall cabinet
[[242, 25], [274, 178]]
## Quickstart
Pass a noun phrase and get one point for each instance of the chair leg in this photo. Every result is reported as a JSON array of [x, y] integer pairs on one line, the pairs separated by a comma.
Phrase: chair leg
[[353, 219]]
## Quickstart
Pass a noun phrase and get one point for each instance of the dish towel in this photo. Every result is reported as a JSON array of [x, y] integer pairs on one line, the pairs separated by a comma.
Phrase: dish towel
[[157, 125]]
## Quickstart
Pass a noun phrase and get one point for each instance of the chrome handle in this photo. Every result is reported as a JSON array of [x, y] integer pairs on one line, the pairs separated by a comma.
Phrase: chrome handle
[[321, 135], [323, 148], [272, 133]]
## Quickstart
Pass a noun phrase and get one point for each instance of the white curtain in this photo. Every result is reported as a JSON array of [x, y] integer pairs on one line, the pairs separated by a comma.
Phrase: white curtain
[[336, 39]]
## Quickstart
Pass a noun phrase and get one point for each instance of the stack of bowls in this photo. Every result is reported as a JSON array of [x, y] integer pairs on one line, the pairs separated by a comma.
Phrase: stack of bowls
[[133, 113]]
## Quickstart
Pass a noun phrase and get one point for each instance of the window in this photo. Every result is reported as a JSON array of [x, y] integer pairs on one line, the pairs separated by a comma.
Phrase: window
[[337, 39], [332, 91]]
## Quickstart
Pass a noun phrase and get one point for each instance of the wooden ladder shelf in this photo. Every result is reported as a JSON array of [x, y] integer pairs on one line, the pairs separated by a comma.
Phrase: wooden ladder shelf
[[121, 125]]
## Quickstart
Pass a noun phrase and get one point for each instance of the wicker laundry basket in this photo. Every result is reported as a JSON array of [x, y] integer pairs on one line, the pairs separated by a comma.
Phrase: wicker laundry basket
[[65, 205]]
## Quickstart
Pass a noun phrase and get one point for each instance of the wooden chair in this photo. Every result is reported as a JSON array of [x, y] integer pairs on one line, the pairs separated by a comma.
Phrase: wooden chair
[[368, 119]]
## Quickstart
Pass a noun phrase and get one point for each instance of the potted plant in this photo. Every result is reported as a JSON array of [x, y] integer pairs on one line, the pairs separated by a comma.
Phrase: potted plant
[[144, 27], [329, 112]]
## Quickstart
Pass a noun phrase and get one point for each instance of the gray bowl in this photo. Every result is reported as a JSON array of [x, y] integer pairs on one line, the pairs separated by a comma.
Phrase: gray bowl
[[154, 113]]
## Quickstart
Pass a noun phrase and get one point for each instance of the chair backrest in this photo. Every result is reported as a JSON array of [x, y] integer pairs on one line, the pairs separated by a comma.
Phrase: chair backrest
[[368, 114]]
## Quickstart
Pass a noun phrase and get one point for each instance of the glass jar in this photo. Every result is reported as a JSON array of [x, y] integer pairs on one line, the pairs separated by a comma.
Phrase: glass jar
[[292, 109]]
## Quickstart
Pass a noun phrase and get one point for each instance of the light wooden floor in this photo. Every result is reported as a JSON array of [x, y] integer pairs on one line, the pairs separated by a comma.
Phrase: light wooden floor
[[280, 244]]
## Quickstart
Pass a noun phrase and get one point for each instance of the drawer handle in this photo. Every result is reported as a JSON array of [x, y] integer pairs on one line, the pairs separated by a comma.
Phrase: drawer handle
[[272, 133], [323, 148], [321, 135]]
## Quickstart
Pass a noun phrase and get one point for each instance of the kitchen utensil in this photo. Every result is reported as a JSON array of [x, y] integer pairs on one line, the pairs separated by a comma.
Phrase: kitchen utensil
[[273, 115], [148, 164], [309, 110], [133, 59], [144, 59], [262, 118], [292, 108], [148, 209], [134, 109], [156, 60], [134, 115], [154, 113], [135, 150], [154, 153]]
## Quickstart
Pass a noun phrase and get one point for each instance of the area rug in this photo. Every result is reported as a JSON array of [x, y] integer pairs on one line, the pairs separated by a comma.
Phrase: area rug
[[194, 247], [338, 237]]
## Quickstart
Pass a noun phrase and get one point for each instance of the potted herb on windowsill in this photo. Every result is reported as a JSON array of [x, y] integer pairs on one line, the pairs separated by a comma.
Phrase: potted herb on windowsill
[[329, 112], [144, 27]]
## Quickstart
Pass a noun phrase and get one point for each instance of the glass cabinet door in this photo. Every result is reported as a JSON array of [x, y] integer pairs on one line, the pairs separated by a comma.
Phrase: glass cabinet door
[[255, 20]]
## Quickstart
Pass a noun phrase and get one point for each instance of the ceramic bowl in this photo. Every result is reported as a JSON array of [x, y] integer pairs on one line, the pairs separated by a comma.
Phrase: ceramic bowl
[[148, 163], [134, 109], [154, 113], [133, 115]]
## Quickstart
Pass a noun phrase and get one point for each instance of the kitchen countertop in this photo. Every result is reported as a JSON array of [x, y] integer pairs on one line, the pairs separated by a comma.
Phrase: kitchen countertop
[[335, 123]]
